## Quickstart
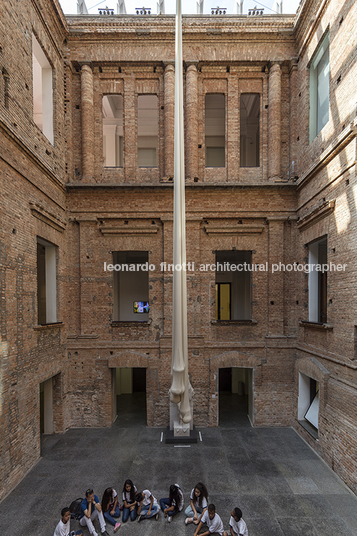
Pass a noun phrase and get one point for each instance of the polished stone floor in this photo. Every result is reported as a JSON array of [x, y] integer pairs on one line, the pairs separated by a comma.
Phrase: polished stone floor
[[281, 485]]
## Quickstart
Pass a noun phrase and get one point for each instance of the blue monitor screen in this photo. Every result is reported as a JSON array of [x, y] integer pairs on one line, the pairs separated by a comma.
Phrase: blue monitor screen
[[141, 307]]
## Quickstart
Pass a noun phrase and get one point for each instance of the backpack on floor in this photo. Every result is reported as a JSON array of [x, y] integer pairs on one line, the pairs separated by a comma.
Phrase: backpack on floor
[[75, 508]]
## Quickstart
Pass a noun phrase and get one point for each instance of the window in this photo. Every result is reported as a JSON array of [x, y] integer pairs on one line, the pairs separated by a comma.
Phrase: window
[[249, 129], [148, 121], [215, 130], [319, 89], [233, 285], [46, 282], [318, 281], [308, 402], [113, 130], [131, 286], [42, 90]]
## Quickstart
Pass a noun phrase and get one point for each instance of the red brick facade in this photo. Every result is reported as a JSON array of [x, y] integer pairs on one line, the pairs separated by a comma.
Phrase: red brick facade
[[62, 194]]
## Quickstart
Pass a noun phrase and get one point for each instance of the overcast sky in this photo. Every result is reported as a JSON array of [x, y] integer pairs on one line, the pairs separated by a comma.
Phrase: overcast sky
[[188, 6]]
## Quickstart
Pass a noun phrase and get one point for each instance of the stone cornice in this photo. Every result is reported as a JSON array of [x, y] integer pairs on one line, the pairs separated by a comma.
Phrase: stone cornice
[[316, 215], [122, 25], [333, 149], [47, 217]]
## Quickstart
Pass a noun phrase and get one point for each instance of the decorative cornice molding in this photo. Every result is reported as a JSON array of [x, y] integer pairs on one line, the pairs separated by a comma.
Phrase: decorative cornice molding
[[50, 219], [234, 230], [332, 150], [116, 230], [316, 215]]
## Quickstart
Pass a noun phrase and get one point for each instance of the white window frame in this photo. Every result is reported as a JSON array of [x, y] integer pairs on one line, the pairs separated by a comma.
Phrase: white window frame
[[42, 90], [319, 88]]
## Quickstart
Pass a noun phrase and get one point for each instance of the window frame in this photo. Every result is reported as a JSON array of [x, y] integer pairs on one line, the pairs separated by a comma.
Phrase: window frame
[[42, 90], [258, 141], [46, 287], [315, 125], [216, 147], [237, 257], [317, 283], [140, 136], [118, 139]]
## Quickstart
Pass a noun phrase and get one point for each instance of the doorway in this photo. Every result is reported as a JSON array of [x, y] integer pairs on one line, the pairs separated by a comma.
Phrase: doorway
[[129, 401], [46, 407], [235, 397]]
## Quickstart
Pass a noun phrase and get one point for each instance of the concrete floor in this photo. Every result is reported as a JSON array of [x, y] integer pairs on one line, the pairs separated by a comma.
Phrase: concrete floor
[[281, 485]]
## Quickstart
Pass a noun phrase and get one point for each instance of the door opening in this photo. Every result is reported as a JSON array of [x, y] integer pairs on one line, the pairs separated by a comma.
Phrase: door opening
[[235, 397], [129, 400]]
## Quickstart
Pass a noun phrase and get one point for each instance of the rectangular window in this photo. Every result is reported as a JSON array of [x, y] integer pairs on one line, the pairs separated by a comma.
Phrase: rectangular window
[[249, 129], [215, 130], [113, 130], [42, 90], [233, 285], [148, 129], [318, 281], [131, 286], [46, 282], [308, 402], [319, 88]]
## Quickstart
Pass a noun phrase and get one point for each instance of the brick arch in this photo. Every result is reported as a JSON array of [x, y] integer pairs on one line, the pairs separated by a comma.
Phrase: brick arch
[[234, 358], [128, 358]]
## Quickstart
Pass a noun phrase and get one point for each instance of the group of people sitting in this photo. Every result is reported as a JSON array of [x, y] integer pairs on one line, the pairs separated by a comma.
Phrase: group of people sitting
[[143, 505]]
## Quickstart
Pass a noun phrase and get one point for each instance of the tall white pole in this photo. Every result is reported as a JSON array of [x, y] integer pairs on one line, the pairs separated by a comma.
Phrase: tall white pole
[[180, 387]]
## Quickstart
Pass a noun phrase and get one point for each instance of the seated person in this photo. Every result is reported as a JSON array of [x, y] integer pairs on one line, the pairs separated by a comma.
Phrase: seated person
[[237, 524], [173, 504], [212, 521], [63, 526], [198, 504], [147, 505], [110, 507], [130, 507], [90, 510]]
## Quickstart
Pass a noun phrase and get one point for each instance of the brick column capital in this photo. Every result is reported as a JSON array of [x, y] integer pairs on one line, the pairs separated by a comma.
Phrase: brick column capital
[[191, 66], [87, 67], [293, 65], [275, 66], [169, 66]]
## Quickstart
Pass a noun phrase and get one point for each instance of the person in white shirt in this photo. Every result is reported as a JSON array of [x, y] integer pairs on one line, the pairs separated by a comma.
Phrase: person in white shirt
[[147, 505], [130, 507], [172, 504], [237, 524], [63, 526], [198, 504], [212, 521]]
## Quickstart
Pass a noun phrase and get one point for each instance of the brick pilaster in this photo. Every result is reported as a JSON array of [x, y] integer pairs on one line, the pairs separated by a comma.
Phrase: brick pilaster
[[293, 118], [274, 128], [169, 118], [87, 123], [191, 122], [130, 128]]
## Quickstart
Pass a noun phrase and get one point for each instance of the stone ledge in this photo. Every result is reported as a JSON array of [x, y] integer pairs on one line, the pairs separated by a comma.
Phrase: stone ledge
[[41, 327], [235, 322], [315, 325]]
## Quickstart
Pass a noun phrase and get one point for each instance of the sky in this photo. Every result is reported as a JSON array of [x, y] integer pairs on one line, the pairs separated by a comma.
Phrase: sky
[[188, 6]]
